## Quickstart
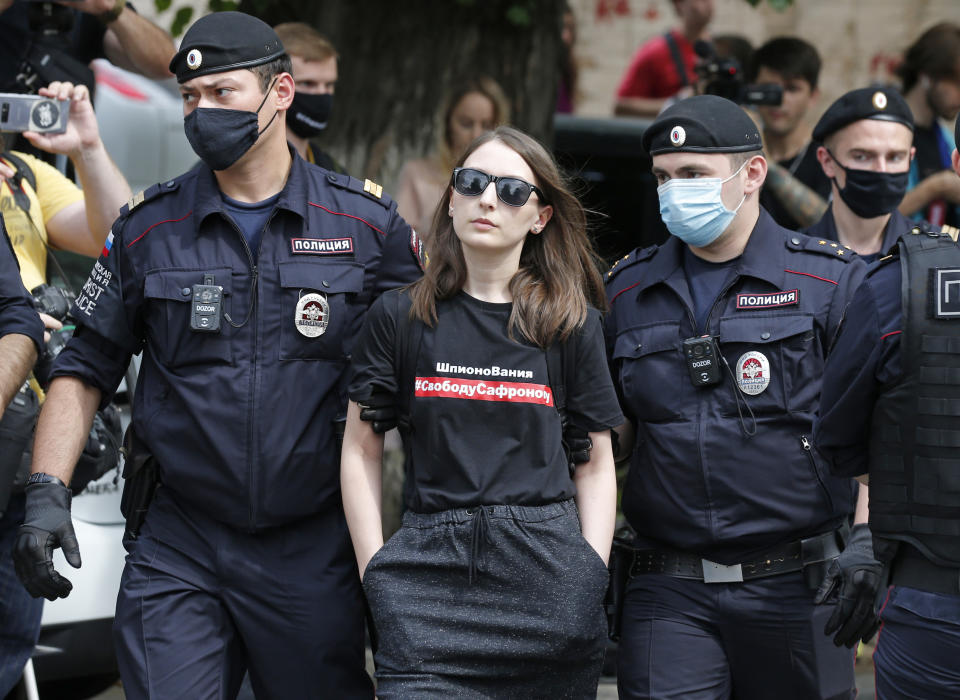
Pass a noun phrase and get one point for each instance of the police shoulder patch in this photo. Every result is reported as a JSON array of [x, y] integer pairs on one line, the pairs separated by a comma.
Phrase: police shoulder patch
[[631, 258], [951, 231], [367, 188], [832, 249], [150, 193]]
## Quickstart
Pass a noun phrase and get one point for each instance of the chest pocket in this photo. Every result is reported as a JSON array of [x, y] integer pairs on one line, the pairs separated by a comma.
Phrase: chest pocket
[[794, 353], [651, 372], [338, 283], [169, 294]]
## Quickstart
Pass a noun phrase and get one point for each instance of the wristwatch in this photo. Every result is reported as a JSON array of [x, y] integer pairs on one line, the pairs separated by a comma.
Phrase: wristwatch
[[110, 15], [43, 478]]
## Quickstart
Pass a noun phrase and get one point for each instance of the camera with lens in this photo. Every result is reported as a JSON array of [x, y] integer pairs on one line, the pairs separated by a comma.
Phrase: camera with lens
[[703, 360], [724, 77], [54, 302]]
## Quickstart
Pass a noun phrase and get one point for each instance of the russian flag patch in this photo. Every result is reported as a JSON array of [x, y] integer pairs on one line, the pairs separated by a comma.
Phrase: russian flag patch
[[108, 244]]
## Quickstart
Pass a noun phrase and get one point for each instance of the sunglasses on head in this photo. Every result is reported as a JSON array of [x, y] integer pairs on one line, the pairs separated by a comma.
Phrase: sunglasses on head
[[513, 191]]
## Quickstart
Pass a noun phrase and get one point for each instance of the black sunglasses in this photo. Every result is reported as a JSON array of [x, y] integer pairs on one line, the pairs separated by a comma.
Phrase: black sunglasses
[[513, 191]]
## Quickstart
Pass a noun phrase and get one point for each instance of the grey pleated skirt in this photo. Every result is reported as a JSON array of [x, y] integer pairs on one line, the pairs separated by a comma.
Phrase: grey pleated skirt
[[492, 602]]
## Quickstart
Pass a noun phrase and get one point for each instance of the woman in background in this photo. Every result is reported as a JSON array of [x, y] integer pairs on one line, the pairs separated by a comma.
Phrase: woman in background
[[472, 108]]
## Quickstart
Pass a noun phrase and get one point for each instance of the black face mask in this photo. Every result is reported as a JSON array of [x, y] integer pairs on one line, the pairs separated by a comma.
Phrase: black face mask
[[869, 193], [221, 136], [308, 114]]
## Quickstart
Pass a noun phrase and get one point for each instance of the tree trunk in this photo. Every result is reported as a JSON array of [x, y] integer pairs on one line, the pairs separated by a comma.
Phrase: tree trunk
[[399, 59]]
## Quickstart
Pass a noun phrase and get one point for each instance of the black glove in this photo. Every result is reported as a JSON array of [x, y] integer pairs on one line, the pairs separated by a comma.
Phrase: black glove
[[380, 410], [578, 444], [46, 526], [857, 574]]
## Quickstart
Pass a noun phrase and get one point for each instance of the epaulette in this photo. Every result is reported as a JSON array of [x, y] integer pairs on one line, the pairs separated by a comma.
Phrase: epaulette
[[631, 258], [367, 188], [150, 193], [951, 231], [820, 245]]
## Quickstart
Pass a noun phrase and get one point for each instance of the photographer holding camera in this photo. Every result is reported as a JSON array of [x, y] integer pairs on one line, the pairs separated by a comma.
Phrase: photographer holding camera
[[43, 209], [42, 42]]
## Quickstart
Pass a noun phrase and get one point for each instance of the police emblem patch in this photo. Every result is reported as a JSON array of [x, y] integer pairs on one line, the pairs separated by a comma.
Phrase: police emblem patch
[[947, 290], [879, 100], [312, 315], [194, 59], [678, 136], [753, 373]]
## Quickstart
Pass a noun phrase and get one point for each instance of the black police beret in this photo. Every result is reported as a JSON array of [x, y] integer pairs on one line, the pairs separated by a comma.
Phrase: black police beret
[[225, 41], [864, 103], [702, 124]]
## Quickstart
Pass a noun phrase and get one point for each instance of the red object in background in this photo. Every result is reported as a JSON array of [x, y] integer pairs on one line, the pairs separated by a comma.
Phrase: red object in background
[[623, 8], [602, 10], [652, 12]]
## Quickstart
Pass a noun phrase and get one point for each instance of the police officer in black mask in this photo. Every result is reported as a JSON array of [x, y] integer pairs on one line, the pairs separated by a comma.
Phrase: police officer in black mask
[[866, 139]]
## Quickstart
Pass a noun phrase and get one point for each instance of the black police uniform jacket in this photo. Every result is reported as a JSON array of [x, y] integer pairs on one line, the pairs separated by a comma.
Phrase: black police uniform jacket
[[242, 421], [698, 480], [17, 314]]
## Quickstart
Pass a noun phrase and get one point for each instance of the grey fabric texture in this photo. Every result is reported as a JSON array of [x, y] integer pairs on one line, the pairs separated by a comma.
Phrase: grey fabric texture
[[491, 602]]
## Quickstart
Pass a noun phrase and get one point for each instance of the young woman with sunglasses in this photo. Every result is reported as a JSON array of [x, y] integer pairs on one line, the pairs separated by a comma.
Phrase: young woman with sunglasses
[[494, 585]]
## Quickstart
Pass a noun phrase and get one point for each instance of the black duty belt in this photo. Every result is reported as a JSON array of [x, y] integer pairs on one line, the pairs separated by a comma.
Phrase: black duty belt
[[913, 570], [784, 559]]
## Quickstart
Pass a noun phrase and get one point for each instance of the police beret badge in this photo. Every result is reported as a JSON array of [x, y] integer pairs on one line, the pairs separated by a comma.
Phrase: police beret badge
[[678, 136], [194, 59], [879, 100]]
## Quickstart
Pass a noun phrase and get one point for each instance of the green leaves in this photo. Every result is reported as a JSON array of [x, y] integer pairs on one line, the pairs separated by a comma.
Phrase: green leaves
[[181, 20]]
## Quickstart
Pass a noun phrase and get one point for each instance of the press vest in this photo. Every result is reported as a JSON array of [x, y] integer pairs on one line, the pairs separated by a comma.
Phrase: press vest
[[915, 435]]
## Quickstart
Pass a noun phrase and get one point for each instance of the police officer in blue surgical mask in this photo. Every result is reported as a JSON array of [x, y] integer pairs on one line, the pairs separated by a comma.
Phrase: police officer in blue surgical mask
[[717, 341], [243, 282], [866, 146]]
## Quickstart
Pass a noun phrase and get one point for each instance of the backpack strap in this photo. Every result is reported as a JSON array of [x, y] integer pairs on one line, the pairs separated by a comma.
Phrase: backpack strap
[[560, 364], [408, 338], [677, 59], [22, 171]]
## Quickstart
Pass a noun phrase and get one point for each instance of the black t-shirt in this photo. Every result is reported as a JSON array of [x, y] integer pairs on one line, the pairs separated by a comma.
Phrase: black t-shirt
[[485, 429], [705, 280], [806, 168]]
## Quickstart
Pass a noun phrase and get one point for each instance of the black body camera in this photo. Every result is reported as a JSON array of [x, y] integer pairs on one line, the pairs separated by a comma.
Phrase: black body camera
[[724, 77], [703, 360], [207, 306]]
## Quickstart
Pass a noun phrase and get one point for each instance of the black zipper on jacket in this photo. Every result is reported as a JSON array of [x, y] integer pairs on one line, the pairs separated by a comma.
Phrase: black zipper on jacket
[[808, 448]]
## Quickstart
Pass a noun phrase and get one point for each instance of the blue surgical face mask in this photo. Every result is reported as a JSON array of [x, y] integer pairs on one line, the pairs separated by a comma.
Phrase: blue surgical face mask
[[693, 209]]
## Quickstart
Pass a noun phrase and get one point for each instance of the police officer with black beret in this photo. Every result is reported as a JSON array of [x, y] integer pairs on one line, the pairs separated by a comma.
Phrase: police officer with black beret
[[243, 283], [717, 341], [888, 412], [866, 145]]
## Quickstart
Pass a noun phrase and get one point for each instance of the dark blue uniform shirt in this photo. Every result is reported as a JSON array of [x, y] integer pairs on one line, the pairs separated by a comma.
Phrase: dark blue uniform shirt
[[698, 481], [241, 421], [17, 314], [826, 229], [866, 358]]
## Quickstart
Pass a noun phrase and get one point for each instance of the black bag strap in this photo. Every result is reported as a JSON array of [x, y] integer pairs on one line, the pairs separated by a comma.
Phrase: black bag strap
[[677, 59], [22, 171]]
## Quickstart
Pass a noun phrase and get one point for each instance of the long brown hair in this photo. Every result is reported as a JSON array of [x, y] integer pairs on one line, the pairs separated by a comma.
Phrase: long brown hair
[[558, 277]]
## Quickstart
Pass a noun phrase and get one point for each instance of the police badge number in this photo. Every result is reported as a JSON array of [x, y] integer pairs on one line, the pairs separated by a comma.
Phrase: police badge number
[[312, 315]]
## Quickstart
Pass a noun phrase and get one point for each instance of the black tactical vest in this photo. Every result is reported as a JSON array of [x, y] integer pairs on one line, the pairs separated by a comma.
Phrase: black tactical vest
[[915, 436]]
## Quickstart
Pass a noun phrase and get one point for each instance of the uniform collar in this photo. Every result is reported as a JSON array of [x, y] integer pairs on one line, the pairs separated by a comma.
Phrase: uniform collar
[[826, 229], [293, 196], [763, 257]]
